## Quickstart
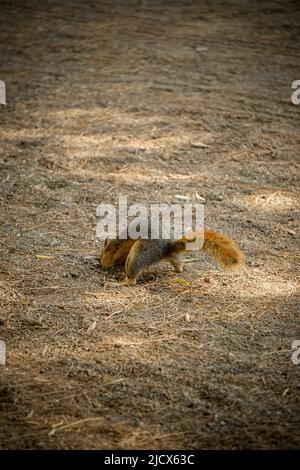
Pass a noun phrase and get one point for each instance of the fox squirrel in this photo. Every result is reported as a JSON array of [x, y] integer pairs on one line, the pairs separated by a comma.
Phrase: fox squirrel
[[140, 254]]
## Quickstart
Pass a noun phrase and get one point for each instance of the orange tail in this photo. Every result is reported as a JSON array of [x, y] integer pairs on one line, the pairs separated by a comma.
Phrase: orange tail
[[220, 247]]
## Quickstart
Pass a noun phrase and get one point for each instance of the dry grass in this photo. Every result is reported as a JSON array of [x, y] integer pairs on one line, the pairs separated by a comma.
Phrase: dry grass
[[111, 97]]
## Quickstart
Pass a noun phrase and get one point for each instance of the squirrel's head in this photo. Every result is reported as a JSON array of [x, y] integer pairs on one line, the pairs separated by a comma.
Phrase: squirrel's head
[[108, 253], [114, 253]]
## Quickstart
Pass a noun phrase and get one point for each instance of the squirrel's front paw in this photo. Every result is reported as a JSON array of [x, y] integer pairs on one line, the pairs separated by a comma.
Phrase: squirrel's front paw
[[130, 281]]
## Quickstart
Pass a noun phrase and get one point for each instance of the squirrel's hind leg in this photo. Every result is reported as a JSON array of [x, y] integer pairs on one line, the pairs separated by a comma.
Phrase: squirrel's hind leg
[[142, 255], [130, 281], [177, 261], [135, 262]]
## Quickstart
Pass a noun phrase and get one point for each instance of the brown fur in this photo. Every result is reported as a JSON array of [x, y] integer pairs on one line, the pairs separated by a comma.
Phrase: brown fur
[[115, 252], [138, 255]]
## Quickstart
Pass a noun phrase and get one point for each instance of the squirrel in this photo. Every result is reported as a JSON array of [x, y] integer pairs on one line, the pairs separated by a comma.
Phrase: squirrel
[[138, 255]]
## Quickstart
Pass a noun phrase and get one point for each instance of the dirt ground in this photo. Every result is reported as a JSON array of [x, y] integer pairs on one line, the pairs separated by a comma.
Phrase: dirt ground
[[107, 98]]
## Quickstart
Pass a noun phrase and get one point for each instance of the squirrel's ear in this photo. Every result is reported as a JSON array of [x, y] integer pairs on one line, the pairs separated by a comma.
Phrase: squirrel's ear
[[105, 242]]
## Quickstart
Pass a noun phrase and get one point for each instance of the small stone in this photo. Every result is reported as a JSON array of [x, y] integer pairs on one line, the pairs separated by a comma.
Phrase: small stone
[[187, 317], [199, 145], [91, 327], [291, 232], [182, 198], [201, 49]]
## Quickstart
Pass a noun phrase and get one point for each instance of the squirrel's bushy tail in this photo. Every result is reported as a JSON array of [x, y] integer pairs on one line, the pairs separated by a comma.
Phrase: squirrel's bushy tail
[[223, 249], [220, 247]]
